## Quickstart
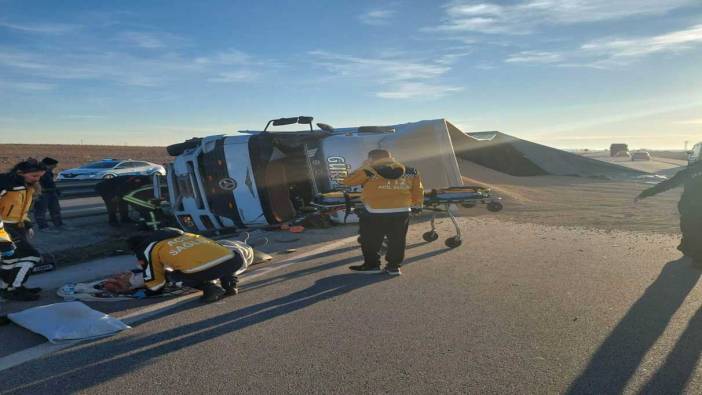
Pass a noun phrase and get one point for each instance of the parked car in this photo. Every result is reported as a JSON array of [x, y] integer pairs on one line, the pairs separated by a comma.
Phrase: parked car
[[108, 168], [640, 155]]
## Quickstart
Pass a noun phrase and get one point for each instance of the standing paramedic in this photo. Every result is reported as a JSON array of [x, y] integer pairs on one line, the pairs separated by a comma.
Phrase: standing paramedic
[[16, 190], [391, 191]]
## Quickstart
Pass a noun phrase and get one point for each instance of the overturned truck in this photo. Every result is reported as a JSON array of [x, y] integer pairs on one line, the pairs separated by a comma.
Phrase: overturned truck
[[258, 178]]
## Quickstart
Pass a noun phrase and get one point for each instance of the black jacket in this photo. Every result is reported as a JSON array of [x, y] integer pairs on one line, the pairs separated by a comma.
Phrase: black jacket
[[691, 180], [47, 182], [121, 185]]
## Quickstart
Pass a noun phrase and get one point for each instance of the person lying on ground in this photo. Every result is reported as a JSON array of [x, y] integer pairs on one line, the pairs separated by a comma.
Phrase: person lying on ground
[[171, 255], [689, 207]]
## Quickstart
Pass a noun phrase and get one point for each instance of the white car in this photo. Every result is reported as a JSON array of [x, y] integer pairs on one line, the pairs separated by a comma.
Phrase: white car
[[109, 168]]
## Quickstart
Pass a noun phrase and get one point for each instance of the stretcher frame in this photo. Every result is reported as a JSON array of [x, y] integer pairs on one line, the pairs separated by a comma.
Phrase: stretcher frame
[[435, 200]]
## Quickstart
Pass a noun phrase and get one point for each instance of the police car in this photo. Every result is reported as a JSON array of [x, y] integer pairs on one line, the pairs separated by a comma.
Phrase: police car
[[109, 168]]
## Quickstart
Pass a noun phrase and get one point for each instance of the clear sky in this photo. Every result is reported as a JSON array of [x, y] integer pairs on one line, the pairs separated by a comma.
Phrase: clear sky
[[567, 73]]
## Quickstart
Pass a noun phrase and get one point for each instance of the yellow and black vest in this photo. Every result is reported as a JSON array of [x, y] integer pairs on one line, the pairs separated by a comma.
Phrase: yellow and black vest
[[186, 252], [388, 186], [15, 199]]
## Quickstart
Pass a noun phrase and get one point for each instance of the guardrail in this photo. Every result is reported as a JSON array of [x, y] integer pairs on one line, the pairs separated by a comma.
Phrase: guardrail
[[76, 189]]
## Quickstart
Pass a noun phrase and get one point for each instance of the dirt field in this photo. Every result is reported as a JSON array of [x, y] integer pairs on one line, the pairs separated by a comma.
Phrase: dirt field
[[578, 201], [678, 155], [70, 156]]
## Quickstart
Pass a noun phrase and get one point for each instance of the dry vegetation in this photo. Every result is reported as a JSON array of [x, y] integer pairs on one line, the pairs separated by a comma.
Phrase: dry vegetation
[[74, 155]]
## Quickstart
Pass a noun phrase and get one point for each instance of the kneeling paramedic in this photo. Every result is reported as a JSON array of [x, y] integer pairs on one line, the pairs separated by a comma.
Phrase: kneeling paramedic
[[391, 191], [172, 255], [19, 257]]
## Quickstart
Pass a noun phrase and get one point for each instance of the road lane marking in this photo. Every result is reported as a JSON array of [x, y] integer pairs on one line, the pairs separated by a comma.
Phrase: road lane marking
[[48, 348]]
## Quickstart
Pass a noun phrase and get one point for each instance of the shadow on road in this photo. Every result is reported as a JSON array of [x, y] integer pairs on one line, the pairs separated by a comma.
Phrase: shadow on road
[[314, 269], [616, 360], [86, 366]]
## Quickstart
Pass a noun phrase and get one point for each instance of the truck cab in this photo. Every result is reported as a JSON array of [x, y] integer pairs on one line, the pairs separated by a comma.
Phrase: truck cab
[[260, 178]]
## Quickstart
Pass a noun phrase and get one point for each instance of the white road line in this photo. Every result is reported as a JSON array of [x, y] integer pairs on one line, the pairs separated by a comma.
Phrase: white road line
[[47, 348]]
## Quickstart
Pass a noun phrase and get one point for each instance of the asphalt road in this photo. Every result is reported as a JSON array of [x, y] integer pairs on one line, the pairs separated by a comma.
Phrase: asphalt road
[[519, 308]]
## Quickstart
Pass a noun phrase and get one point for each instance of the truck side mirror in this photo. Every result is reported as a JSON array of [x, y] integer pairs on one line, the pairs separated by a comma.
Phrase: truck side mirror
[[284, 121], [325, 127]]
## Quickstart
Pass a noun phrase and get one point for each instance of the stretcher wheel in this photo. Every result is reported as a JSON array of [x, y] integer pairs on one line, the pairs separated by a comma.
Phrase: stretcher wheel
[[494, 206], [468, 205], [453, 242], [430, 236]]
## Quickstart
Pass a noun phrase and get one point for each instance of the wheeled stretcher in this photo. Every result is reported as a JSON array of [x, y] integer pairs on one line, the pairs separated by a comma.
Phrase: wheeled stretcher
[[435, 200]]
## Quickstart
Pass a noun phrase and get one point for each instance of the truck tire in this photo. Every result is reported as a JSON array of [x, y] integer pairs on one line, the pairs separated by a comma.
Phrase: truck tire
[[179, 148]]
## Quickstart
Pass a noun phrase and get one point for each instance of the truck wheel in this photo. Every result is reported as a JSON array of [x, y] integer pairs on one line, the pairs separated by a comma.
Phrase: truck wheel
[[430, 236], [453, 242], [177, 149], [494, 206]]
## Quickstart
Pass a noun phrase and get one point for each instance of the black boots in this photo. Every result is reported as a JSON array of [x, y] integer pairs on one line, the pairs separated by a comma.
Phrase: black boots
[[21, 294]]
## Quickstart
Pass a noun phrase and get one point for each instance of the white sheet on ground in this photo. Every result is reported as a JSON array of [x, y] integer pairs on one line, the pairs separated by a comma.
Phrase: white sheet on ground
[[67, 321]]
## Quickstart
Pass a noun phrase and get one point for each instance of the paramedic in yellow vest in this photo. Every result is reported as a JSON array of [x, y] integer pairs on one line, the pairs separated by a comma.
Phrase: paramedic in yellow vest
[[17, 188], [391, 191], [171, 255]]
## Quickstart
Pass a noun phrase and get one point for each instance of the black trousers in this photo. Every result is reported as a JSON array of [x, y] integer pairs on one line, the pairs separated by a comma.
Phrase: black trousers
[[224, 272], [15, 268], [691, 228], [115, 204], [47, 201], [374, 228]]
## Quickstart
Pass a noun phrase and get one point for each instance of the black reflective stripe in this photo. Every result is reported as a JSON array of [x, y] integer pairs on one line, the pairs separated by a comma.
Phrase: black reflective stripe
[[149, 269]]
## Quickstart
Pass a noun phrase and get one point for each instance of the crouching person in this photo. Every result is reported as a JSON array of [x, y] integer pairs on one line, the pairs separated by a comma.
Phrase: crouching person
[[171, 255]]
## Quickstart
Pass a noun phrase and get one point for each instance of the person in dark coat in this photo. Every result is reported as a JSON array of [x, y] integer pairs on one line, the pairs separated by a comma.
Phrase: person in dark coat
[[18, 257], [689, 206], [114, 189], [48, 199]]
